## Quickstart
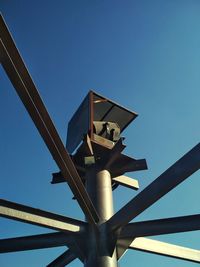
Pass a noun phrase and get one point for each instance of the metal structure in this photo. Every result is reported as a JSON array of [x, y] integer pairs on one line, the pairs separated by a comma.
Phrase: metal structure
[[94, 169]]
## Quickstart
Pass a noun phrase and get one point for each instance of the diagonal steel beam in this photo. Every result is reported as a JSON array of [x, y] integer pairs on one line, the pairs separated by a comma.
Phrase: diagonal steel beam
[[39, 217], [64, 259], [34, 242], [165, 249], [173, 176], [162, 226], [26, 89]]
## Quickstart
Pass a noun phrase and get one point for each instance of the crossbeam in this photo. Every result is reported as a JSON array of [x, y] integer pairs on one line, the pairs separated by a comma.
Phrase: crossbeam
[[18, 74], [34, 242], [161, 226], [63, 260], [39, 217], [168, 180], [165, 249]]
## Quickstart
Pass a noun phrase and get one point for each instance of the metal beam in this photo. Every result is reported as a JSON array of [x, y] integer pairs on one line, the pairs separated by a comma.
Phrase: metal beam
[[161, 226], [126, 181], [165, 249], [173, 176], [38, 217], [64, 259], [34, 242], [26, 89]]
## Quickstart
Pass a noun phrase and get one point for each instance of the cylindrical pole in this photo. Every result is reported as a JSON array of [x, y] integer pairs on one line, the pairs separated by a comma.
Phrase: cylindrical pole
[[99, 188]]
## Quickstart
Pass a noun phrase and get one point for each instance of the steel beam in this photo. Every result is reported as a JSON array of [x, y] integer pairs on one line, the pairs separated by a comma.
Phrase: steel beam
[[126, 181], [38, 217], [165, 249], [173, 176], [26, 89], [34, 242], [63, 260], [161, 226]]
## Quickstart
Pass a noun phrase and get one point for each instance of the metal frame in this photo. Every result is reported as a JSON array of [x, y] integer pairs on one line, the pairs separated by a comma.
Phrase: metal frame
[[82, 122], [104, 237]]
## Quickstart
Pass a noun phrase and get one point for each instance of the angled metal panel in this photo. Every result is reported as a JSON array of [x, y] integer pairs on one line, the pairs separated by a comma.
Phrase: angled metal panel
[[34, 242], [162, 226], [26, 89], [79, 125], [38, 217], [105, 109], [127, 182], [165, 249], [173, 176], [122, 246], [125, 164], [63, 260]]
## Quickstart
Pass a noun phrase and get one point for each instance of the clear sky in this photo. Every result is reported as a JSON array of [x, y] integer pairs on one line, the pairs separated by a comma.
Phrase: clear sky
[[144, 55]]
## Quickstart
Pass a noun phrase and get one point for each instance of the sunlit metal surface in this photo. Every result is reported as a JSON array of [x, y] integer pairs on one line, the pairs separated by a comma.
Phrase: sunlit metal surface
[[127, 182], [165, 249], [27, 214]]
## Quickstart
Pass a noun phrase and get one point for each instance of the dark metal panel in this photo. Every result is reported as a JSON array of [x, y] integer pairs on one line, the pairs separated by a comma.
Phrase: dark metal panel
[[78, 126], [121, 116], [124, 164], [39, 217], [101, 107], [162, 226], [107, 110], [22, 81], [173, 176], [165, 249], [91, 115], [122, 246], [63, 260], [34, 242]]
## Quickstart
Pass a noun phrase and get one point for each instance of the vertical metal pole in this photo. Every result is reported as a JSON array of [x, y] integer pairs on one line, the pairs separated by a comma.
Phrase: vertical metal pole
[[99, 188]]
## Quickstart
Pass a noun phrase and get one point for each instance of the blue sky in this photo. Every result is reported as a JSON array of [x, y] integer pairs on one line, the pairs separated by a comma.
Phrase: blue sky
[[144, 55]]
